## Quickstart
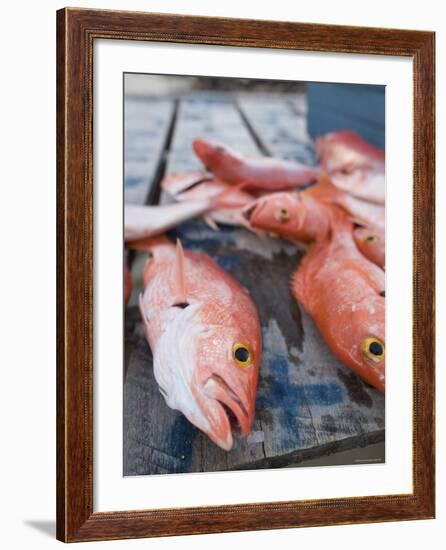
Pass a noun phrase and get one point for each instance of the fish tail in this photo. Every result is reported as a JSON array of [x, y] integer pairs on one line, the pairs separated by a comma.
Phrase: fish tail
[[210, 222]]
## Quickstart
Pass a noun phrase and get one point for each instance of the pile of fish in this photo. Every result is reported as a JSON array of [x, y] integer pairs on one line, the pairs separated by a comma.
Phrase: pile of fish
[[202, 325]]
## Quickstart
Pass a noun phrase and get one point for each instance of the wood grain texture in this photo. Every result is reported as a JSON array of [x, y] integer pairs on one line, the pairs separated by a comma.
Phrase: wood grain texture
[[281, 129], [150, 123], [76, 31]]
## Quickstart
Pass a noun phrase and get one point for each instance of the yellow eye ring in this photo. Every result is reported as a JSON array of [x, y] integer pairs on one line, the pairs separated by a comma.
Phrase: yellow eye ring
[[373, 349], [370, 239], [242, 355], [282, 215]]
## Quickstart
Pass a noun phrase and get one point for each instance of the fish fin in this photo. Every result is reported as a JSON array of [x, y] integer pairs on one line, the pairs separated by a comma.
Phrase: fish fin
[[221, 200], [211, 222], [147, 243], [324, 190], [180, 274]]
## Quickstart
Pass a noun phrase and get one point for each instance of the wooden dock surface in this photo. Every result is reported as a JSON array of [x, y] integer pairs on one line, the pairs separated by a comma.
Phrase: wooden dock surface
[[308, 403]]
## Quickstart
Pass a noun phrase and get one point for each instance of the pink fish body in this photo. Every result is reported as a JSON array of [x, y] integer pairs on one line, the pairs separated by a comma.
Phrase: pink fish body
[[338, 150], [354, 165], [177, 183], [304, 215], [360, 210], [142, 221], [204, 332], [362, 183], [291, 214], [371, 242], [183, 187], [197, 187], [344, 293], [263, 173]]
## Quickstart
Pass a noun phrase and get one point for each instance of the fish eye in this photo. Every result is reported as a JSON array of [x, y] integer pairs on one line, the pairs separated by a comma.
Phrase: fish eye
[[373, 349], [242, 355], [282, 214], [370, 239]]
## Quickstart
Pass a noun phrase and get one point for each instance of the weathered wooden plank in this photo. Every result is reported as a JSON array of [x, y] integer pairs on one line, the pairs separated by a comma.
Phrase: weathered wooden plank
[[207, 118], [146, 126], [280, 127]]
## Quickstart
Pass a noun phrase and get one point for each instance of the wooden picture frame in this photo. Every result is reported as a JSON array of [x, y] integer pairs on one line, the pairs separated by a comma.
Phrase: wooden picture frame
[[76, 31]]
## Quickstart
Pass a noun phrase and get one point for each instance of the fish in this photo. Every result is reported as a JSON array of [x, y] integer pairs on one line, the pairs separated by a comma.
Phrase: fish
[[262, 173], [204, 332], [354, 165], [343, 148], [344, 293], [197, 186], [371, 242], [141, 221], [305, 215], [365, 184], [291, 214]]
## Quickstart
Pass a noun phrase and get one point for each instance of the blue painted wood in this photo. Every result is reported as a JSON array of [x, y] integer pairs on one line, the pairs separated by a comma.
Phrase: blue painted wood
[[280, 126], [347, 106]]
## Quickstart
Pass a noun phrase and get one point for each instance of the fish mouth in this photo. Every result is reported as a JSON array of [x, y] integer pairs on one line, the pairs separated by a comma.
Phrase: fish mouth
[[248, 212], [234, 423], [230, 404]]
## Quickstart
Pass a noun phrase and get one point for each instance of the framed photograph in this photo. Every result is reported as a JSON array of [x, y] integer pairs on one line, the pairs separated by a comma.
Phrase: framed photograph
[[245, 246]]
